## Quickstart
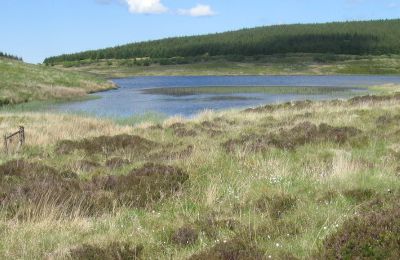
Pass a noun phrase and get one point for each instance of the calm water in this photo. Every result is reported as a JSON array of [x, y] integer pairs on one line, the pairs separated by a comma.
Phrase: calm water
[[129, 100]]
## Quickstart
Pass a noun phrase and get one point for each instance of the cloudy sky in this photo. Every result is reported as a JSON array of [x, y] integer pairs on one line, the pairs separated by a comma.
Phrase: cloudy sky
[[35, 29]]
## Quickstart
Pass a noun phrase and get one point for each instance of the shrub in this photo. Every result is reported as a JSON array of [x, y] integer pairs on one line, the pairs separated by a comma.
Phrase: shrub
[[235, 249], [106, 144], [372, 234], [185, 236], [299, 135], [122, 251], [24, 184], [143, 186]]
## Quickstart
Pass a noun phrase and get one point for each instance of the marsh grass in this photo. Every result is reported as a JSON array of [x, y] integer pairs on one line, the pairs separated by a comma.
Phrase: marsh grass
[[185, 91], [206, 202], [44, 106]]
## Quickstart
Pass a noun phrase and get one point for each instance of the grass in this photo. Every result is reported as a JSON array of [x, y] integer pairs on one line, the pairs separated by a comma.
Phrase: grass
[[298, 180], [145, 118], [21, 82], [50, 105], [289, 64]]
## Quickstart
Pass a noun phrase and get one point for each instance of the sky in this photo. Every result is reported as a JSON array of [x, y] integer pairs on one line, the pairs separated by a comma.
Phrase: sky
[[36, 29]]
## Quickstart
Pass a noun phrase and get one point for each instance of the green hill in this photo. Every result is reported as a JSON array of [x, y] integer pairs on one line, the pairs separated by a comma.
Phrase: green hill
[[354, 38], [22, 82], [9, 56]]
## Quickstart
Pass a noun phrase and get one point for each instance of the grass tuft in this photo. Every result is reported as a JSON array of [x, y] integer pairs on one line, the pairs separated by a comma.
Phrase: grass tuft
[[109, 252], [105, 144]]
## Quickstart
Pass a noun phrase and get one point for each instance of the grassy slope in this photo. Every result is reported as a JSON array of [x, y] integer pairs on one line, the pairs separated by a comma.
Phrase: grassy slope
[[275, 202], [21, 82], [292, 64]]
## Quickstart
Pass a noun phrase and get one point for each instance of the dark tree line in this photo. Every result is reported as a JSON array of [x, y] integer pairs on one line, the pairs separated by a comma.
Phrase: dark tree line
[[9, 56], [356, 38]]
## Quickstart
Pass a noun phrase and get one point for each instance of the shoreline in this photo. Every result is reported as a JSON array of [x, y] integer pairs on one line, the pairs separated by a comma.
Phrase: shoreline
[[39, 106], [271, 65], [248, 75]]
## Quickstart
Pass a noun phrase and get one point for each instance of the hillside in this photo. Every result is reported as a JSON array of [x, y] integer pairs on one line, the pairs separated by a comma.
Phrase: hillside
[[22, 82], [9, 56], [356, 38]]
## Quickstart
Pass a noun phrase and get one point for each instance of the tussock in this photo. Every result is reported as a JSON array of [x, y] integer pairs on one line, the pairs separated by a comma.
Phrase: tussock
[[185, 236], [295, 105], [373, 234], [86, 166], [212, 128], [108, 252], [23, 183], [184, 132], [107, 144], [387, 119], [116, 162], [374, 98], [235, 249], [144, 186], [277, 205], [301, 134]]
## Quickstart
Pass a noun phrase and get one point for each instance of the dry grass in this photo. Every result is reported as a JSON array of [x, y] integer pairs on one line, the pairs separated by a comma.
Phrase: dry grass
[[48, 128]]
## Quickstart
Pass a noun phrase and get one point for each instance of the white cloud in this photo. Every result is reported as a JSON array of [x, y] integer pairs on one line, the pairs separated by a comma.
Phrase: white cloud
[[157, 7], [146, 6], [197, 11]]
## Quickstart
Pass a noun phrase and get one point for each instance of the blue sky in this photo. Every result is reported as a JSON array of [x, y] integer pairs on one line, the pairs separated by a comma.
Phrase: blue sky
[[35, 29]]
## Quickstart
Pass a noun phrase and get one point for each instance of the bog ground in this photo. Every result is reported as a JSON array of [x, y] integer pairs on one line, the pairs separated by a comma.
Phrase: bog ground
[[295, 180]]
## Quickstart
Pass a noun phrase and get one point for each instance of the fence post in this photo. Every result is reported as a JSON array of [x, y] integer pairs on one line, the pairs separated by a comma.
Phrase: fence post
[[21, 135], [5, 144]]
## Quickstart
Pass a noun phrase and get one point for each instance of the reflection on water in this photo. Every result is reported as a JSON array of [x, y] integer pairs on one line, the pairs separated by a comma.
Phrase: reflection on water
[[130, 99]]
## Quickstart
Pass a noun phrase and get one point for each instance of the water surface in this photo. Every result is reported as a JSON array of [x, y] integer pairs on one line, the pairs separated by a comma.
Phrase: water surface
[[132, 97]]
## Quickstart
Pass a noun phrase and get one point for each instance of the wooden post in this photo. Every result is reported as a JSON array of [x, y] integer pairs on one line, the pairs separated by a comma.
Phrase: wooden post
[[21, 135], [5, 144]]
